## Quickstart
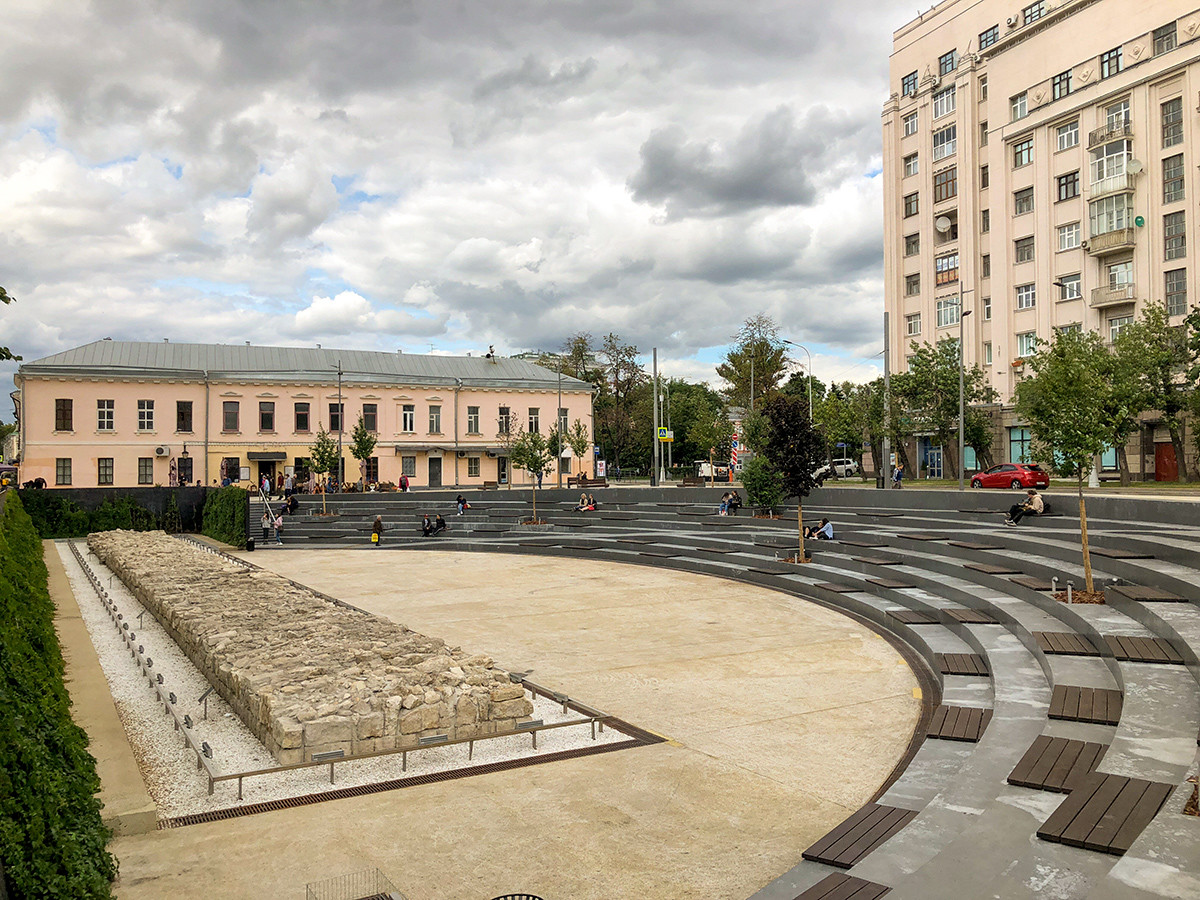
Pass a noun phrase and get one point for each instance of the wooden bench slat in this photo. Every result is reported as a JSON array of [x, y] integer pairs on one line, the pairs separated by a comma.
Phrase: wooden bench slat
[[1106, 812], [890, 583], [972, 616], [837, 588], [912, 617], [859, 835], [1020, 773], [1091, 811], [973, 545], [1146, 594], [992, 568], [876, 560], [1147, 808], [1052, 777], [1033, 583], [840, 886]]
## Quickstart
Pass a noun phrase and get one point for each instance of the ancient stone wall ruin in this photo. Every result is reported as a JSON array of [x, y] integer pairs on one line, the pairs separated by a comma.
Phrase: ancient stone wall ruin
[[307, 675]]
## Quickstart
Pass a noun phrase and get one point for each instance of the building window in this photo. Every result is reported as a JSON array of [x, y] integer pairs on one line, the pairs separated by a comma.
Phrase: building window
[[984, 177], [104, 415], [64, 415], [912, 244], [231, 468], [987, 353], [983, 133], [505, 420], [1026, 344], [1061, 85], [1117, 325], [1116, 117], [911, 205], [1110, 213], [987, 309], [985, 266], [1068, 236], [1073, 328], [1165, 39], [1176, 292], [371, 469], [62, 471], [335, 416], [266, 415], [912, 324], [145, 415], [1068, 185], [183, 416], [1110, 63], [1120, 274], [535, 419], [1069, 287], [985, 221], [370, 416], [1026, 296], [1023, 201], [947, 312], [1068, 135], [408, 418], [944, 102], [947, 62], [472, 420], [300, 411], [1019, 441], [229, 415], [1173, 179], [911, 165], [1034, 11], [104, 470], [1172, 122], [945, 184], [145, 470], [945, 142], [408, 466], [912, 285], [562, 420], [989, 37], [473, 467], [946, 269], [1110, 160], [435, 420], [910, 124], [1022, 153], [1023, 249], [908, 85], [1019, 104], [1176, 239]]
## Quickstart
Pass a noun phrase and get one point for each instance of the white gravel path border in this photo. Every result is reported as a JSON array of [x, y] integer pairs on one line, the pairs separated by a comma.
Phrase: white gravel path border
[[169, 769]]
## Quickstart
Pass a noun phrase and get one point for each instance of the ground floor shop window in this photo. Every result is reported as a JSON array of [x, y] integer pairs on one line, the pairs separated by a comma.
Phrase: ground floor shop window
[[1018, 444], [473, 467], [408, 466]]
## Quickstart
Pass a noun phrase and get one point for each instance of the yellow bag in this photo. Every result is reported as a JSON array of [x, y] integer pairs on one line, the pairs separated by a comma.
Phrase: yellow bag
[[374, 537]]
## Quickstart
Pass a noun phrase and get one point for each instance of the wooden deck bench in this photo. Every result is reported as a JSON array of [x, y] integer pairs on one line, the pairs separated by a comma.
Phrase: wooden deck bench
[[582, 481]]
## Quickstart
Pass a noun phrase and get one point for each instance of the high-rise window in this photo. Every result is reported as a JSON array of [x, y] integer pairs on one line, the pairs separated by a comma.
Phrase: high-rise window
[[1070, 287], [984, 177], [1022, 153], [912, 285], [145, 470], [983, 87], [1061, 86], [1068, 135], [912, 244], [945, 142], [1116, 325], [944, 102], [1120, 274], [1110, 63], [910, 124], [370, 414], [983, 133], [145, 415], [1172, 122], [1173, 178], [912, 325], [535, 419], [911, 205], [472, 420], [985, 221], [911, 164], [987, 353], [1110, 214], [229, 415], [1026, 296], [1068, 236], [408, 418], [64, 415], [1165, 39], [908, 85], [985, 266], [1023, 249], [1110, 160], [1068, 185], [62, 471], [301, 410], [1023, 201], [1033, 11], [1026, 343], [183, 416], [1072, 328], [947, 62], [947, 312], [104, 415], [1174, 233], [1019, 104], [266, 415], [946, 269], [505, 420], [435, 420], [945, 184], [1176, 292], [987, 309], [104, 470], [989, 37]]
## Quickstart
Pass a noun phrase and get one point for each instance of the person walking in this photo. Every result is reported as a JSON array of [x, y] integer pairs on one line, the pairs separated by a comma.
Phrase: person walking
[[898, 475], [404, 483], [266, 525], [289, 485], [377, 532], [279, 528], [1033, 506]]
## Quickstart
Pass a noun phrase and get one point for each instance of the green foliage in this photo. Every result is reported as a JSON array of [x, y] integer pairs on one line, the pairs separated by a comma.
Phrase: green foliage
[[362, 444], [1161, 356], [225, 515], [623, 388], [795, 447], [52, 841], [5, 353], [763, 483], [55, 516], [171, 522], [323, 454], [758, 347], [530, 452], [577, 438]]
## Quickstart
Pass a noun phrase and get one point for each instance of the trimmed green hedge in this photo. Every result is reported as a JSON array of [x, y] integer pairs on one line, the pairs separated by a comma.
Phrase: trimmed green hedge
[[55, 516], [225, 511], [52, 842]]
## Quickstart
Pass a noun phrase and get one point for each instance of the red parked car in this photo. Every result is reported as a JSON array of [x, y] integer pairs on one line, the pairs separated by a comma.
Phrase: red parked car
[[1012, 475]]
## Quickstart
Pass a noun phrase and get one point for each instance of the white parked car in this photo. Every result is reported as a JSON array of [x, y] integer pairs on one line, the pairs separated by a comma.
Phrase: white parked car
[[842, 468]]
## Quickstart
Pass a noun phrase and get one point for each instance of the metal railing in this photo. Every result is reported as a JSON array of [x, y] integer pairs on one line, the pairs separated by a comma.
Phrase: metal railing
[[1113, 295], [1110, 132], [365, 885]]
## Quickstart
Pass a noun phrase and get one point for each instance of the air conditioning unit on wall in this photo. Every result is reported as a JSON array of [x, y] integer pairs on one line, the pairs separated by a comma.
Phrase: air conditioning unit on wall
[[162, 451], [1012, 21], [462, 454]]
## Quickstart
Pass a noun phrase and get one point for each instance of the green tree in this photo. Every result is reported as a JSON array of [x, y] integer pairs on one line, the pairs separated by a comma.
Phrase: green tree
[[1162, 355], [699, 420], [323, 456], [623, 409], [1127, 396], [577, 438], [758, 354], [840, 420], [764, 486], [531, 452], [362, 445], [1066, 401], [5, 353], [7, 430], [796, 448]]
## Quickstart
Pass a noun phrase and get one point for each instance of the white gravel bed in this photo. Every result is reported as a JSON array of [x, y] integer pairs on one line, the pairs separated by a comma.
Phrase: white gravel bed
[[169, 769]]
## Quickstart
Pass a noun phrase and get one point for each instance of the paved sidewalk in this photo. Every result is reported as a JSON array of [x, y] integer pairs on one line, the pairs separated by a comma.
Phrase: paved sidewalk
[[782, 717]]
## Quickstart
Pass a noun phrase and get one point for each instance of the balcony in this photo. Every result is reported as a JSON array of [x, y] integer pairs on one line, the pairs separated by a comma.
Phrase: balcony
[[1110, 242], [1103, 297], [1114, 184], [1113, 132]]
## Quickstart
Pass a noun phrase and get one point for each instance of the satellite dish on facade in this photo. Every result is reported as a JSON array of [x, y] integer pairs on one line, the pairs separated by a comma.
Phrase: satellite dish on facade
[[942, 224], [1135, 167]]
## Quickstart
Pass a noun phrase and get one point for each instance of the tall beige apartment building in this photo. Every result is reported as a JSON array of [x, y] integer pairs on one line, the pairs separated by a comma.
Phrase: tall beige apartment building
[[1040, 163]]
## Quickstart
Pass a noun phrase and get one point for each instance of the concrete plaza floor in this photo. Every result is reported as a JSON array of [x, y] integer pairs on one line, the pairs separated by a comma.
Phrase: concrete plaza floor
[[781, 717]]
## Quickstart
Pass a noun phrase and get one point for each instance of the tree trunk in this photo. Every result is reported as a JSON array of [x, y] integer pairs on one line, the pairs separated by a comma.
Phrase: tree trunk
[[1123, 462], [800, 527], [1083, 536], [324, 511], [534, 491], [950, 454]]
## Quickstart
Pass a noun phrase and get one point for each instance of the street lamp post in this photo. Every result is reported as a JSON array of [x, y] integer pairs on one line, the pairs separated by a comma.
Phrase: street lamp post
[[962, 317], [810, 375], [341, 425]]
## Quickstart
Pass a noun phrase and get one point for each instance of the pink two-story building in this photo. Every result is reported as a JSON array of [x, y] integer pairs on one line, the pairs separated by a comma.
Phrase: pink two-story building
[[125, 413]]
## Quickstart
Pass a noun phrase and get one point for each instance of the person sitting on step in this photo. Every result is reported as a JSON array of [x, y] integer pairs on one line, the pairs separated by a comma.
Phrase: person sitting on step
[[823, 532], [1033, 506]]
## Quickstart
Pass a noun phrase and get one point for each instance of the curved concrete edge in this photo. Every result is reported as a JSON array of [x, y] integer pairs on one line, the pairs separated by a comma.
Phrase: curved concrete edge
[[128, 808]]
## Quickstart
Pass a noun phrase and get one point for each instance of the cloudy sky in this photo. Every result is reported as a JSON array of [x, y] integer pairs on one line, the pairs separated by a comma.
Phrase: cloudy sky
[[445, 175]]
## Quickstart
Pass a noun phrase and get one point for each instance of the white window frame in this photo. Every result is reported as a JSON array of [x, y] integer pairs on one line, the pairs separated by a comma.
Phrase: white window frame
[[1067, 135], [945, 142], [1026, 296], [1118, 324], [987, 353], [1026, 343], [1070, 287], [910, 123], [945, 102], [1110, 214], [912, 325], [1018, 105], [947, 311], [1068, 236], [912, 164]]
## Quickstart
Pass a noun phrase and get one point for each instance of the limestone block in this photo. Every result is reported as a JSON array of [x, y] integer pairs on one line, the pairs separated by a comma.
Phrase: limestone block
[[327, 731], [512, 709], [368, 726], [429, 717], [504, 692], [287, 733], [411, 722], [466, 712]]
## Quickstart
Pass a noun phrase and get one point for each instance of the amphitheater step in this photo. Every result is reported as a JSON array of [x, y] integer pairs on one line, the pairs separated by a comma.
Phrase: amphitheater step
[[1148, 594], [972, 617], [961, 664], [1106, 813], [959, 723], [840, 886], [859, 835], [913, 617], [1067, 643], [1143, 649], [1084, 704], [1057, 764]]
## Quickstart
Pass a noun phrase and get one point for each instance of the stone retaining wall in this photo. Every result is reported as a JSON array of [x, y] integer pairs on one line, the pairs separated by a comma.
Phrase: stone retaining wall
[[305, 675]]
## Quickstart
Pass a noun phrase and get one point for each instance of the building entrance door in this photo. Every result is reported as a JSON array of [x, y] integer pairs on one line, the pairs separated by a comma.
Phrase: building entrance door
[[1166, 468], [502, 470], [435, 471], [267, 469]]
